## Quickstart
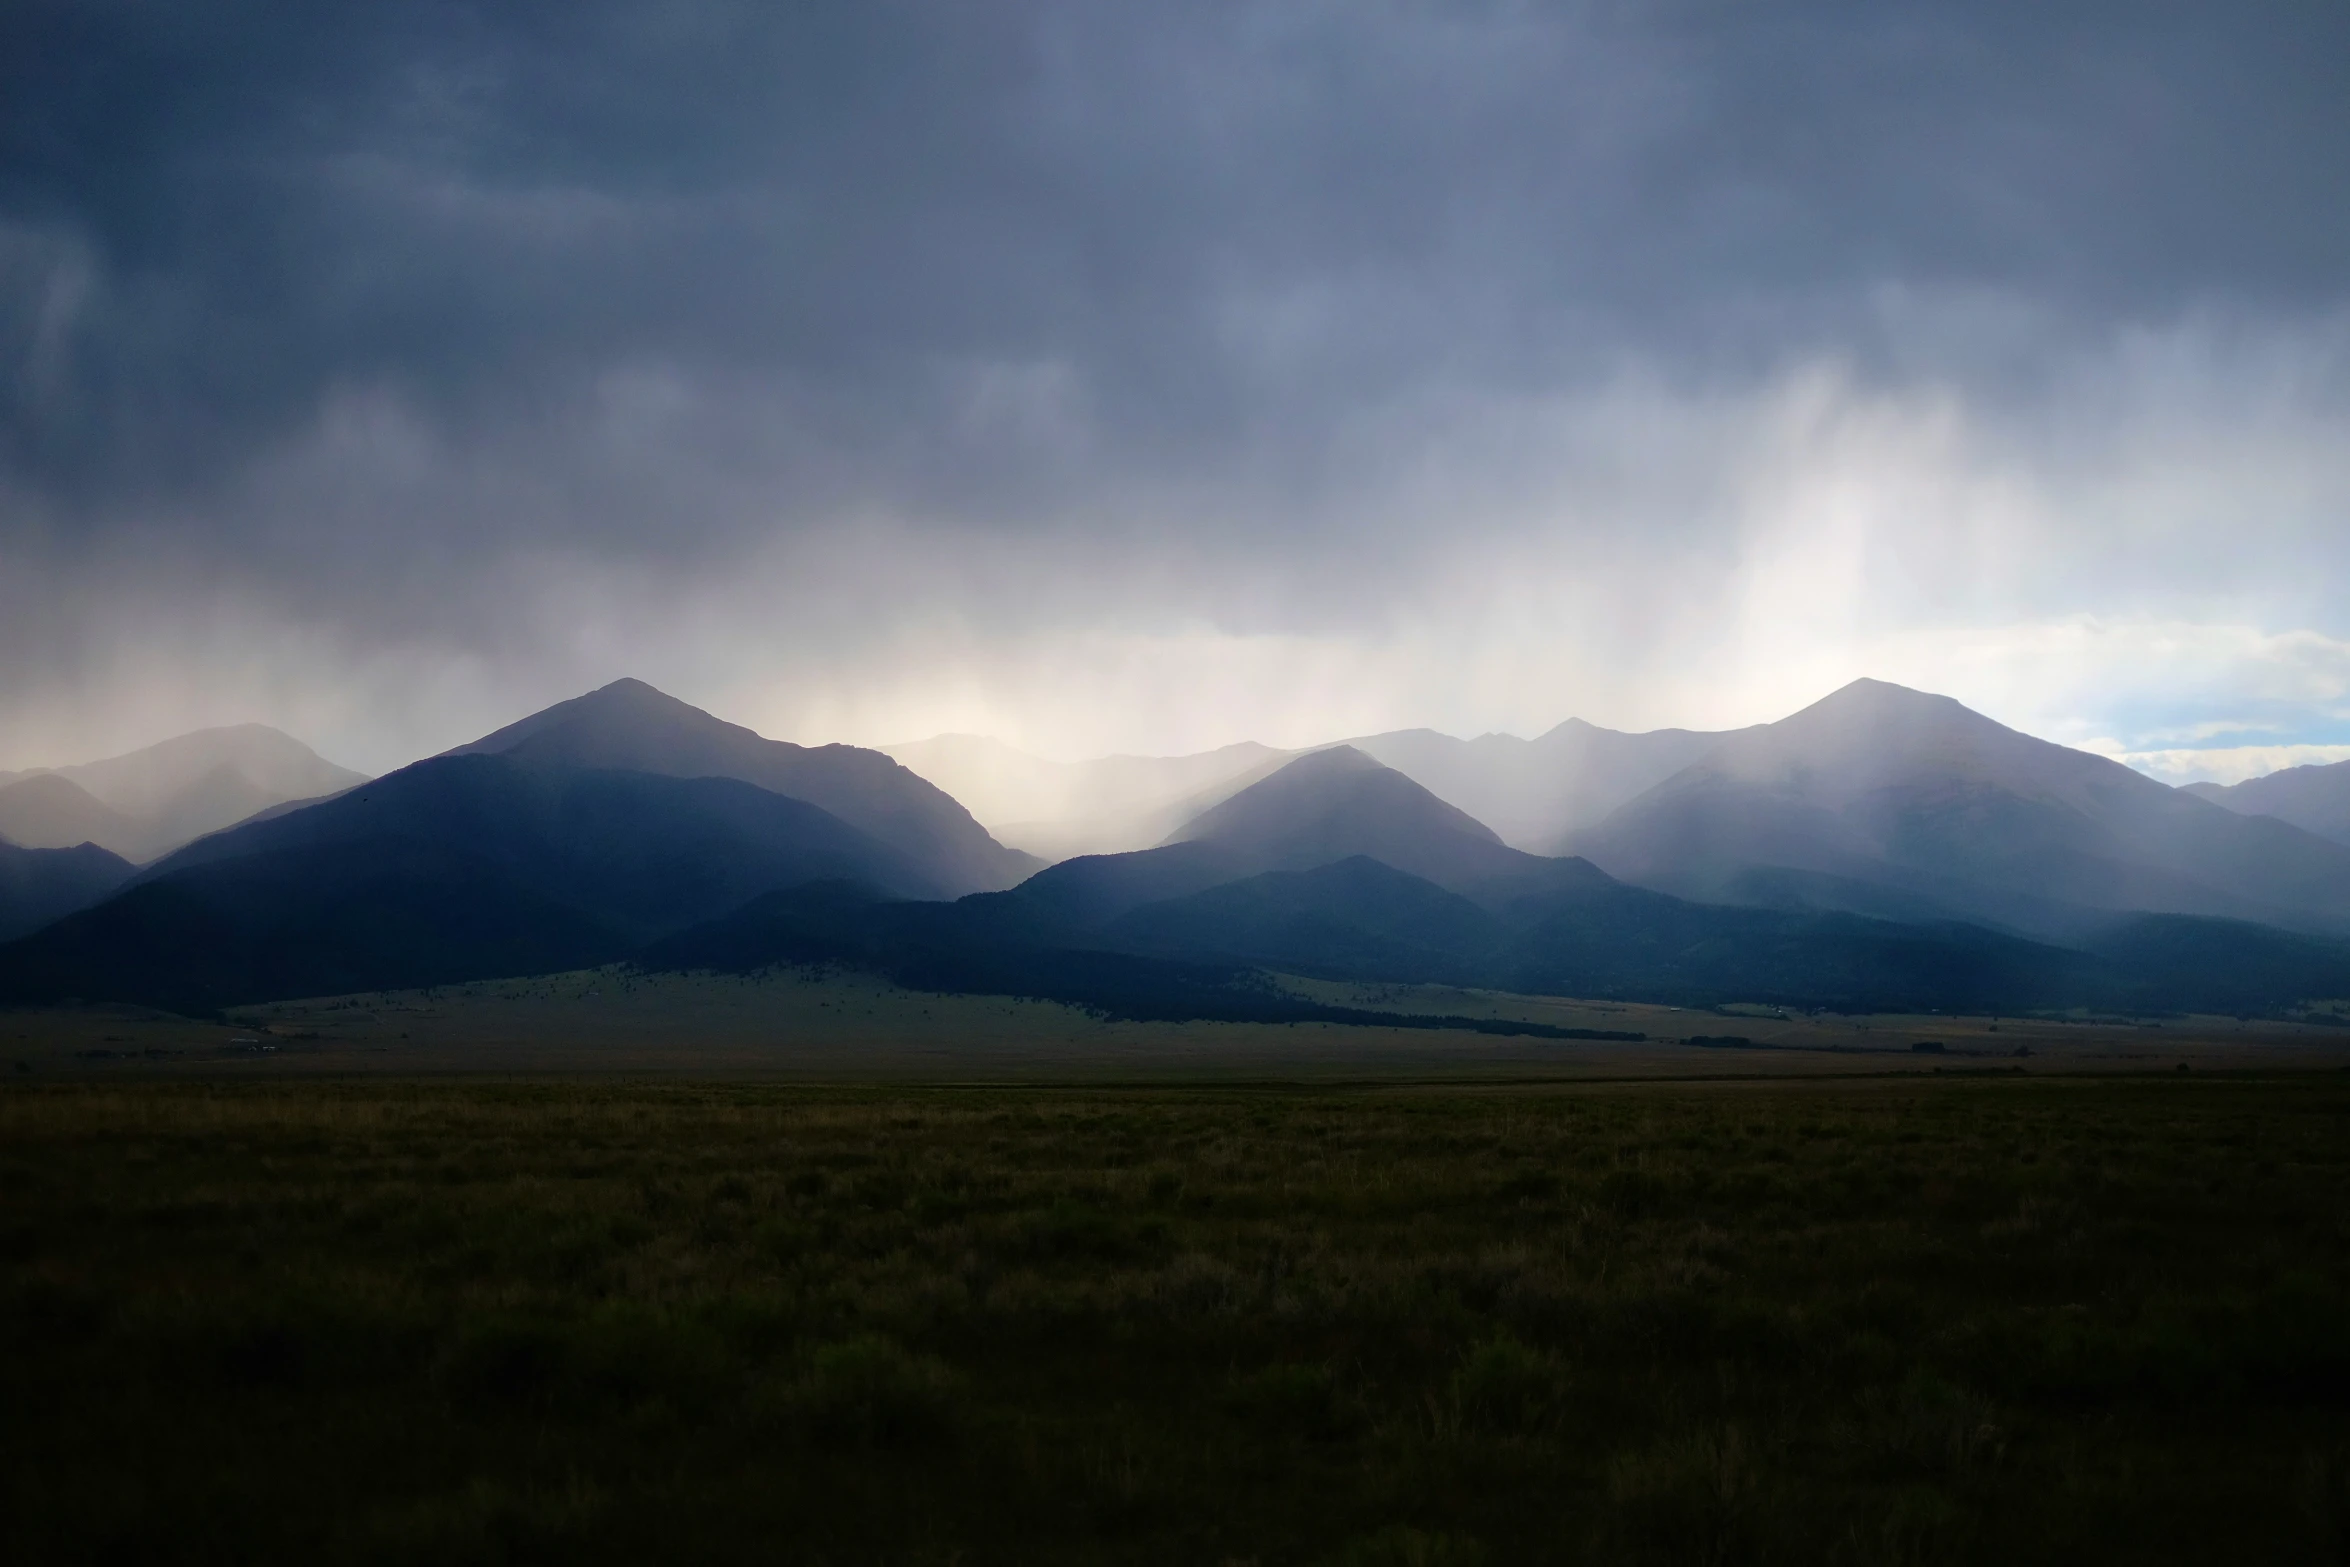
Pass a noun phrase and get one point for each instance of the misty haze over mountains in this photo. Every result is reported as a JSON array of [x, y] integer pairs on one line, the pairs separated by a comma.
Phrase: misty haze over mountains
[[151, 801], [1531, 793], [1880, 848]]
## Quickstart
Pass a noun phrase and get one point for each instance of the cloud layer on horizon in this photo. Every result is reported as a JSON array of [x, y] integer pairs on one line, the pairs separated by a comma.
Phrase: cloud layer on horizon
[[1110, 380]]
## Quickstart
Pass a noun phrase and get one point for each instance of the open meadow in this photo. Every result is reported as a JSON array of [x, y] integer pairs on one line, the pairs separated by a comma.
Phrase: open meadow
[[2093, 1316], [829, 1024]]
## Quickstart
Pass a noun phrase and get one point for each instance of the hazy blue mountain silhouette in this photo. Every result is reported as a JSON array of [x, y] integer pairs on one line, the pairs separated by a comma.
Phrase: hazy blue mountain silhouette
[[2314, 799], [1888, 799], [630, 726], [150, 801], [1529, 792], [458, 867], [1321, 808], [1533, 793], [50, 811], [41, 885], [1337, 803]]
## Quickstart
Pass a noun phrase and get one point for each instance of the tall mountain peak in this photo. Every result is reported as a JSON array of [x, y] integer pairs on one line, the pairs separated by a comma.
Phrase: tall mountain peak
[[631, 726]]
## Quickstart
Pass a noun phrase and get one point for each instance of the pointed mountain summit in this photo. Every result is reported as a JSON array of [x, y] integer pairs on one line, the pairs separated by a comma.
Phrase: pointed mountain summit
[[630, 726], [1883, 800], [2315, 799], [1335, 804], [1324, 807]]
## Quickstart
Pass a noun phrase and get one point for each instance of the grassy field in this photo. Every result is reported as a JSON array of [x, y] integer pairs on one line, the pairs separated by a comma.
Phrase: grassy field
[[829, 1025], [1902, 1320]]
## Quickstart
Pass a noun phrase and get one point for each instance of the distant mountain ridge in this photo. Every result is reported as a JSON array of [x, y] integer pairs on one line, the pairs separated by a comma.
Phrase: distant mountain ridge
[[2315, 799], [51, 811], [1531, 793], [1535, 793], [1879, 798], [148, 802]]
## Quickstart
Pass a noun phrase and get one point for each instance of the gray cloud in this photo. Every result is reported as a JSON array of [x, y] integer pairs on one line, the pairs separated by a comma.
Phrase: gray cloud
[[836, 341]]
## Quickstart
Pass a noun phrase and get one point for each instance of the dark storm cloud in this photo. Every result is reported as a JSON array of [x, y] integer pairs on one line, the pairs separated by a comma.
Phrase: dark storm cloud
[[222, 213], [364, 313]]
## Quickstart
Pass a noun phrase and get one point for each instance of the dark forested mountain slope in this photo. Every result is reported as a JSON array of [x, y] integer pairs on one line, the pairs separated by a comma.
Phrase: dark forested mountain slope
[[40, 885]]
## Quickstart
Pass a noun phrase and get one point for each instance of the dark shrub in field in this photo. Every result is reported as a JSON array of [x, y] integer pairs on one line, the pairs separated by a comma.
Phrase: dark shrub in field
[[1504, 1386], [870, 1392]]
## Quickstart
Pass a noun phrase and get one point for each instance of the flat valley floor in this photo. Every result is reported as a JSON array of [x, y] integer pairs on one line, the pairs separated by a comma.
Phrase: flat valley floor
[[829, 1025], [372, 1298]]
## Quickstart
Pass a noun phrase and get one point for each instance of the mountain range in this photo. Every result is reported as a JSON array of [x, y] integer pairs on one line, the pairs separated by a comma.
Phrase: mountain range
[[1305, 872], [1883, 848]]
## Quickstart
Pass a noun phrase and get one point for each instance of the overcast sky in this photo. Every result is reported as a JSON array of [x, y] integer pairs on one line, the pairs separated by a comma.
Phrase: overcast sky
[[1112, 377]]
